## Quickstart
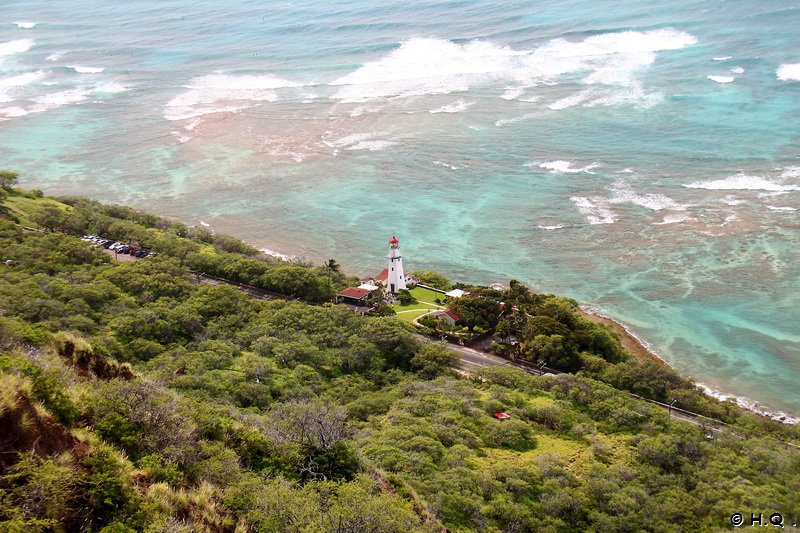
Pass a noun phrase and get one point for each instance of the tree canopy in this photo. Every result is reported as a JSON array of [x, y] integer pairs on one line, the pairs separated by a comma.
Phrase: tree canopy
[[136, 397]]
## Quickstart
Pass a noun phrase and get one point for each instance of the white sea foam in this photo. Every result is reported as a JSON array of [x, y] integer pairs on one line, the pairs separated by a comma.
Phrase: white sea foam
[[565, 167], [513, 93], [743, 182], [47, 102], [737, 70], [774, 208], [215, 93], [426, 66], [596, 210], [193, 124], [21, 80], [455, 107], [182, 138], [551, 228], [446, 165], [16, 47], [721, 79], [435, 66], [723, 58], [502, 122], [654, 202], [732, 200], [59, 99], [12, 112], [109, 87], [644, 344], [55, 56], [750, 405], [673, 218], [86, 70], [26, 25], [353, 139], [788, 72], [791, 172], [8, 86], [279, 255], [572, 100], [11, 48], [372, 146], [622, 193]]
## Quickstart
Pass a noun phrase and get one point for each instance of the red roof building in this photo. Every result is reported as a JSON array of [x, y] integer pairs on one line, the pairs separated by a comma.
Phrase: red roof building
[[383, 276], [353, 295], [449, 316], [502, 416], [452, 314]]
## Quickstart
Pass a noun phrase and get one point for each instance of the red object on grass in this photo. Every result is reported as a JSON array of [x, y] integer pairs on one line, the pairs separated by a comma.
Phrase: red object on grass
[[502, 416]]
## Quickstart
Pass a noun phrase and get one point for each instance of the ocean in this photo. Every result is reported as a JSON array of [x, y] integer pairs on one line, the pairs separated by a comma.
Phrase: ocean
[[640, 157]]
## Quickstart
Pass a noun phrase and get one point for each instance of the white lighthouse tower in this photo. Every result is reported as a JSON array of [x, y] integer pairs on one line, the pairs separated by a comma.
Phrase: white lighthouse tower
[[396, 277]]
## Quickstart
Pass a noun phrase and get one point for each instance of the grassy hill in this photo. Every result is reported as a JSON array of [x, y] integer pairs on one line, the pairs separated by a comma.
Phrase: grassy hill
[[133, 398]]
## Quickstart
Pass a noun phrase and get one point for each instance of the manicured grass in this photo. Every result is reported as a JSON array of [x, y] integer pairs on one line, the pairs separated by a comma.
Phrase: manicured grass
[[426, 295], [425, 302], [409, 316], [415, 305]]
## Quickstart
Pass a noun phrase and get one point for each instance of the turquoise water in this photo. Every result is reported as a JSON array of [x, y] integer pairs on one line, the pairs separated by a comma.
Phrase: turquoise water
[[644, 159]]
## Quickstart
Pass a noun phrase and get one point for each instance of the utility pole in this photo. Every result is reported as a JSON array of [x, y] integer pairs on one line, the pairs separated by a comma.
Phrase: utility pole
[[670, 407]]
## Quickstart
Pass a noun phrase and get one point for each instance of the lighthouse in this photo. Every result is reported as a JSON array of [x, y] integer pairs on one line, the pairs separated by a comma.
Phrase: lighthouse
[[396, 278]]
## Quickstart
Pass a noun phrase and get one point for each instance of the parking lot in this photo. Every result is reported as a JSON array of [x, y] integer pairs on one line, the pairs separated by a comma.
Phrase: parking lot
[[120, 250]]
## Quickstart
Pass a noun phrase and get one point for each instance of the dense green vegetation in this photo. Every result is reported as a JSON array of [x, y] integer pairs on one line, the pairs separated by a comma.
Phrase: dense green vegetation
[[135, 398]]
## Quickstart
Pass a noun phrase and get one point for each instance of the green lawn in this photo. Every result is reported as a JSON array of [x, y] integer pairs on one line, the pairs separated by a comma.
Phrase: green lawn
[[410, 315], [425, 302], [426, 295], [415, 305]]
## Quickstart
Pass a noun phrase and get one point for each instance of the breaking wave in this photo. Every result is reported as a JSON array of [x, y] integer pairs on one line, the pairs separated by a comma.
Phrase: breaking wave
[[423, 66], [565, 167], [788, 72], [721, 79], [743, 182], [86, 70], [218, 93]]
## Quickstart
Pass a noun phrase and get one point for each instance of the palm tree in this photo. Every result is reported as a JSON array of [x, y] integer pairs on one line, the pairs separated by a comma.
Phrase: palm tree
[[332, 265]]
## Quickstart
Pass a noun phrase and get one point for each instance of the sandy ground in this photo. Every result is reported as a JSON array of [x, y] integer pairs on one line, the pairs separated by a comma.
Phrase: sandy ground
[[629, 342]]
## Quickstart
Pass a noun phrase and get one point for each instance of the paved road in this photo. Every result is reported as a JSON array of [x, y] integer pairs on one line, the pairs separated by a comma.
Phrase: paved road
[[474, 359]]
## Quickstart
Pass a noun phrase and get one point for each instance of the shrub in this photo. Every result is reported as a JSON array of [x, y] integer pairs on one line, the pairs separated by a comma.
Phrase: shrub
[[514, 434]]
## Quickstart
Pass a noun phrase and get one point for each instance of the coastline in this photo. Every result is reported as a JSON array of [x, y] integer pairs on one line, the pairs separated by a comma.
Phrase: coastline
[[641, 350], [638, 347], [628, 339]]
